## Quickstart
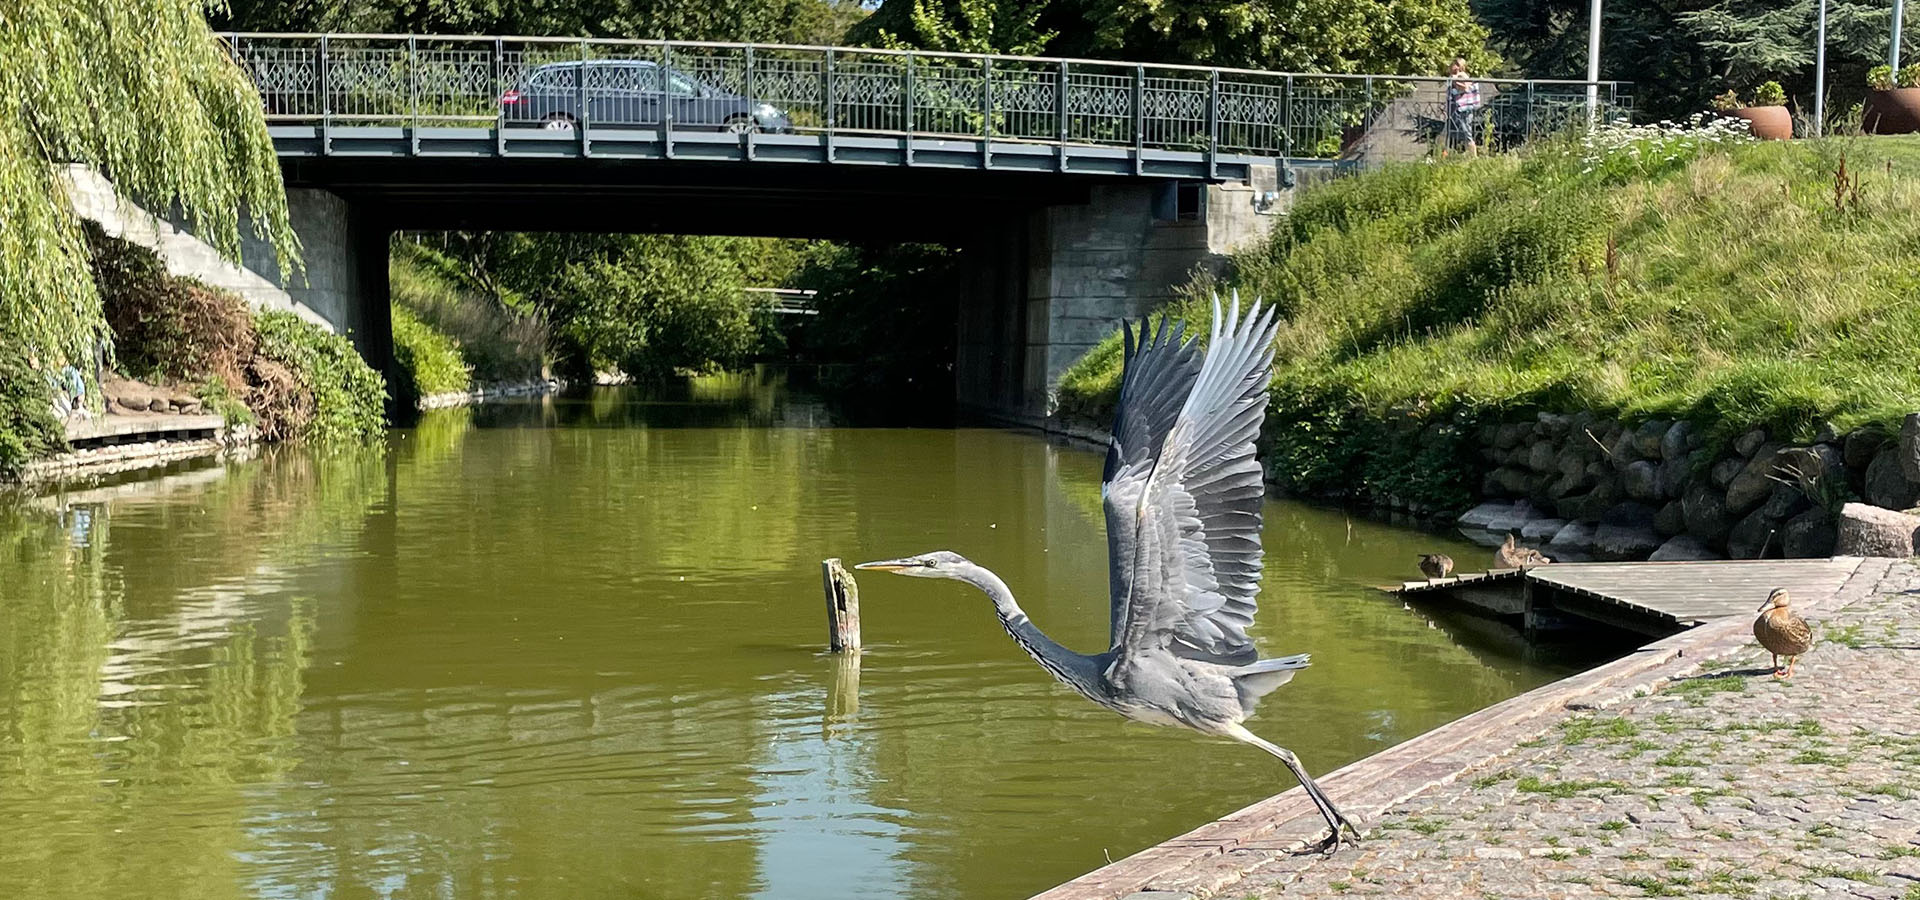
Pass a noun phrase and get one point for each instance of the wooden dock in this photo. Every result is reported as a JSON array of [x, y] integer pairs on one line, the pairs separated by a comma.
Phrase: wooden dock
[[1652, 598]]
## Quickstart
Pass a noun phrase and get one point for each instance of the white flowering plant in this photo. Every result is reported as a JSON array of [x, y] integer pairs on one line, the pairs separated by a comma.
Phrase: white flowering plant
[[1623, 150]]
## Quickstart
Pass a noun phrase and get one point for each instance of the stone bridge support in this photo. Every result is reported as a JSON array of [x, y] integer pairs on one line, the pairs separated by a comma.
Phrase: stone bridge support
[[1063, 279]]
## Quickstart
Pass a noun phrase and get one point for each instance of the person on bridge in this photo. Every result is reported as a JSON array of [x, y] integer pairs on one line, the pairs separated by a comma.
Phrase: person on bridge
[[1463, 100]]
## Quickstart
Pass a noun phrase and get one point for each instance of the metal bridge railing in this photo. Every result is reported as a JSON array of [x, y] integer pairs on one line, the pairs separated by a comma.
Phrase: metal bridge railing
[[507, 82]]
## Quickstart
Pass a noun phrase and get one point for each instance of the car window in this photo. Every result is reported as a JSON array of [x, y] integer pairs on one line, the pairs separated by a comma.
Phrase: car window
[[623, 78], [552, 77], [680, 85]]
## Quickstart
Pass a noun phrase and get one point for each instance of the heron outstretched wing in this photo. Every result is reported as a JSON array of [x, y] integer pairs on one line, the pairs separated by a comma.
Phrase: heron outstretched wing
[[1182, 489]]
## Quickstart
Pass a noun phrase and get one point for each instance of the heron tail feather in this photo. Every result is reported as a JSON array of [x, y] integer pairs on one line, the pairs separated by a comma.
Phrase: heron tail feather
[[1258, 679]]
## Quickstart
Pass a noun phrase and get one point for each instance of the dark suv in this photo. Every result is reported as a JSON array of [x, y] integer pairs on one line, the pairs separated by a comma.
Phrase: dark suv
[[632, 92]]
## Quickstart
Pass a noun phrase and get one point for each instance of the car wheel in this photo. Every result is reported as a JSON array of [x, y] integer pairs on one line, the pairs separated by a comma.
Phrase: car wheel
[[558, 122], [740, 125]]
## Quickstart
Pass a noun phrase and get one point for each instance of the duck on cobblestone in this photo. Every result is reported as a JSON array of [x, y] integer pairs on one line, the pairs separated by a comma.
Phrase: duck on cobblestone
[[1782, 632], [1513, 556]]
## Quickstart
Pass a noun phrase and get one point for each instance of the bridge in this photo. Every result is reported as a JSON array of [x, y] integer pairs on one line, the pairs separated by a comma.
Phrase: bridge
[[1087, 189]]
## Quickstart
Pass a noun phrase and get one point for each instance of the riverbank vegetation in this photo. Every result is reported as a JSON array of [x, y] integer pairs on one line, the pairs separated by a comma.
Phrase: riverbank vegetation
[[1645, 273], [144, 91]]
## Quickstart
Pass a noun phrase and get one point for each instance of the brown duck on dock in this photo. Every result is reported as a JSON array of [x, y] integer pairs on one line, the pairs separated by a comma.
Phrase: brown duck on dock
[[1513, 556], [1782, 632], [1436, 565]]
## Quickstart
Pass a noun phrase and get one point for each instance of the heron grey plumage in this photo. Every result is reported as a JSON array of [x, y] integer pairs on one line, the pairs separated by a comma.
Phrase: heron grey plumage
[[1182, 493]]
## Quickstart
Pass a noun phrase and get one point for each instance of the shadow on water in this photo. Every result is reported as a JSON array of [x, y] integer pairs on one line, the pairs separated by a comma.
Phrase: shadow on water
[[573, 645]]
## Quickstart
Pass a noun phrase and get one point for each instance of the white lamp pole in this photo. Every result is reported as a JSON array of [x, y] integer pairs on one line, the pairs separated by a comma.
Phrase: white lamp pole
[[1820, 74], [1893, 53], [1593, 60]]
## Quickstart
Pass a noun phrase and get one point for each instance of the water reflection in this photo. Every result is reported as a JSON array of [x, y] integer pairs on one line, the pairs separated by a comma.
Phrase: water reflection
[[572, 646]]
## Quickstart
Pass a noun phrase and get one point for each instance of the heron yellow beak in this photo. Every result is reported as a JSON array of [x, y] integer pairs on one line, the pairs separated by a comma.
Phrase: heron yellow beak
[[889, 565]]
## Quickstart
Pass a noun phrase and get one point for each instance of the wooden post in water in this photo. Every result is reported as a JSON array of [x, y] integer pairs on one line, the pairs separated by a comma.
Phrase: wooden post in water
[[843, 607]]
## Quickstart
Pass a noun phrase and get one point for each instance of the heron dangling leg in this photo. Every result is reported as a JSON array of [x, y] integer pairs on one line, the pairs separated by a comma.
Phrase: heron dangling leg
[[1336, 822]]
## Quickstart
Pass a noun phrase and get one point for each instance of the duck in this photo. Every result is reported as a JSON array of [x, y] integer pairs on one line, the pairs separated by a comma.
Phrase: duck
[[1513, 556], [1782, 632], [1436, 565]]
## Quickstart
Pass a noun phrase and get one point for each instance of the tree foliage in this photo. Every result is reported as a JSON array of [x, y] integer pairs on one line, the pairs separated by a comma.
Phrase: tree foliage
[[801, 21], [139, 89]]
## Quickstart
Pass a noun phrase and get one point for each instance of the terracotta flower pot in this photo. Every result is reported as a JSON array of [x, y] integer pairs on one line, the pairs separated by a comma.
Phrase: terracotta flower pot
[[1892, 112], [1768, 123]]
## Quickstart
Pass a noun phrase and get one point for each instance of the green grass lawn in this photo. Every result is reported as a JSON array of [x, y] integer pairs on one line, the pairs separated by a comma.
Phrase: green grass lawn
[[1739, 285]]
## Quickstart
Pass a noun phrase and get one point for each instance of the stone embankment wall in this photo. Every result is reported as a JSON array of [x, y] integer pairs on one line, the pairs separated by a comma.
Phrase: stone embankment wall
[[1579, 487]]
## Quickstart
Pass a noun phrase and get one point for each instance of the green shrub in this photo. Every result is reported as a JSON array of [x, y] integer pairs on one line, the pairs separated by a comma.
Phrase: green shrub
[[1769, 93], [27, 427], [1880, 78], [497, 341], [426, 361], [1727, 102], [348, 397], [1909, 76]]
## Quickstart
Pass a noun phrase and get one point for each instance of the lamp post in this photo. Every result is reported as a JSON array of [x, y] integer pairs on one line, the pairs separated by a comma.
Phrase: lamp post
[[1893, 52], [1593, 61], [1820, 74]]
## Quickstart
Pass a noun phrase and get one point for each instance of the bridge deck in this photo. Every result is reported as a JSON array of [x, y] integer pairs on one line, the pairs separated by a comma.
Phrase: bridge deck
[[1653, 597]]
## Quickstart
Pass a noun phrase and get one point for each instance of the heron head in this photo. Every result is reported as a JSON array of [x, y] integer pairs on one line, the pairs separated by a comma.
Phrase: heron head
[[1776, 600], [937, 564]]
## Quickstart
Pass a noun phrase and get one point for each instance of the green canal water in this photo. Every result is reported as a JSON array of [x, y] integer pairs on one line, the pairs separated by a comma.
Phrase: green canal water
[[568, 648]]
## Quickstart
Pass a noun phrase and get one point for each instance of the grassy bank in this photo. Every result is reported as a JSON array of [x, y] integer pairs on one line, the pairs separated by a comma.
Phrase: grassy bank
[[1643, 273], [449, 337]]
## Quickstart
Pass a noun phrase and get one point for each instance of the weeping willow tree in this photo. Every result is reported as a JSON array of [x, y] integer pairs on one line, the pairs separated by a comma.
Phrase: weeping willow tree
[[144, 92]]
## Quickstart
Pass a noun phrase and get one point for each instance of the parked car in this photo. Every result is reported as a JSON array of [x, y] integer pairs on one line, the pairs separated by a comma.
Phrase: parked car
[[631, 92]]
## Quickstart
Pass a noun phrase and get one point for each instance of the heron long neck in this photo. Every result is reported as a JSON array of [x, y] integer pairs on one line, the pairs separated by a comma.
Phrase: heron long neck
[[1076, 670]]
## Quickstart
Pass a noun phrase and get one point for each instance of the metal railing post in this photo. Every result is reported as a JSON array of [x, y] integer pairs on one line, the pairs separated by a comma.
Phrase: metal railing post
[[413, 95], [986, 113], [1061, 80], [1527, 119], [326, 99], [1286, 118], [826, 72], [747, 88], [668, 99], [499, 91], [906, 80], [1139, 119], [580, 101], [1213, 124]]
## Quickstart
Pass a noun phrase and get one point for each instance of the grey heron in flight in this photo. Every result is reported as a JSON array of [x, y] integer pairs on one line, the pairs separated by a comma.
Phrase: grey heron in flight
[[1182, 493]]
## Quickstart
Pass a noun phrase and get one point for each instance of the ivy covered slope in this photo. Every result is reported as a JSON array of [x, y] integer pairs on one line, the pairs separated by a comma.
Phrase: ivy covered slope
[[1644, 273]]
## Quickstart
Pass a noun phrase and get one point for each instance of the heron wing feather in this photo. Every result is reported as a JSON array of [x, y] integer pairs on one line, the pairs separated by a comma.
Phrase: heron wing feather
[[1187, 555]]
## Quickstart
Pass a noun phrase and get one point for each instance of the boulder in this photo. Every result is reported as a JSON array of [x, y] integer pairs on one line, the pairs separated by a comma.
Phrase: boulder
[[1750, 443], [1483, 515], [1641, 480], [1510, 434], [1541, 530], [1755, 481], [1683, 548], [1623, 452], [1674, 445], [1620, 542], [1813, 468], [1670, 520], [1723, 472], [1592, 504], [1552, 426], [1859, 448], [1570, 461], [1576, 538], [1650, 437], [1569, 485], [1871, 531], [1910, 447], [1673, 477], [1809, 535], [1705, 512], [1541, 457], [1630, 514], [158, 404], [1786, 501], [1754, 537], [1512, 482], [1885, 485]]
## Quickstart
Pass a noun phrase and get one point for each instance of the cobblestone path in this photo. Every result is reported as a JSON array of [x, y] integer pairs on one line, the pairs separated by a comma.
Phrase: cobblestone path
[[1721, 782]]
